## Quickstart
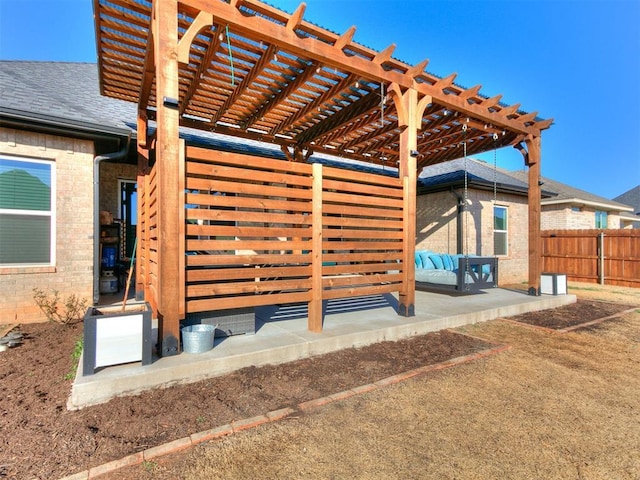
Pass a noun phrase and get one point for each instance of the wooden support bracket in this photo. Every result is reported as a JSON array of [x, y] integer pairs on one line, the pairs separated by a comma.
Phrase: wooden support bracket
[[203, 20]]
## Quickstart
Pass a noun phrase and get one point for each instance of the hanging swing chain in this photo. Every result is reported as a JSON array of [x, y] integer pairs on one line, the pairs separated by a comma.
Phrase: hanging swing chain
[[495, 168], [466, 213], [382, 102], [233, 79], [466, 187], [495, 180]]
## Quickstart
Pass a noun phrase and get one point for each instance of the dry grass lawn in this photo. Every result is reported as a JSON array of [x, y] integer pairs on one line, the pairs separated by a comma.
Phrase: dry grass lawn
[[555, 406]]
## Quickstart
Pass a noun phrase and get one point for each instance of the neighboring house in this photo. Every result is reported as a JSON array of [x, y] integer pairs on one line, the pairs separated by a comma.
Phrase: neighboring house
[[494, 223], [575, 209], [497, 214], [631, 198]]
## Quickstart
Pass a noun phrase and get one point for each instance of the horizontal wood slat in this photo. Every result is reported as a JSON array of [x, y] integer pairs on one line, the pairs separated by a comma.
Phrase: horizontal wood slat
[[289, 204], [256, 163], [241, 244], [252, 272], [215, 259], [222, 303], [359, 291], [236, 188], [246, 231]]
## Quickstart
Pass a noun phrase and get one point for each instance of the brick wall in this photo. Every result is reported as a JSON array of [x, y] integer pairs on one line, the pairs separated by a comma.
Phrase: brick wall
[[73, 269], [562, 217], [436, 229]]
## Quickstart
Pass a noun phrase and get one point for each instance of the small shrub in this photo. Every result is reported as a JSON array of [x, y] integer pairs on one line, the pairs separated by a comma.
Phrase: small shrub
[[71, 311], [149, 466], [75, 356]]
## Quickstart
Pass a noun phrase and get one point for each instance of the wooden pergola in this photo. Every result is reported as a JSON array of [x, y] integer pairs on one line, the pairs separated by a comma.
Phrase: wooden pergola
[[219, 230]]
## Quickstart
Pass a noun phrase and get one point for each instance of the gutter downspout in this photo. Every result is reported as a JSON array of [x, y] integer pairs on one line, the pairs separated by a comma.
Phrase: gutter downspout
[[123, 152], [459, 222]]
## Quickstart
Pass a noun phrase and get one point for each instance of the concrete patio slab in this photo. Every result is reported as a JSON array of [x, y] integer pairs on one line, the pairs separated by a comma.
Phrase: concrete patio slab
[[282, 336]]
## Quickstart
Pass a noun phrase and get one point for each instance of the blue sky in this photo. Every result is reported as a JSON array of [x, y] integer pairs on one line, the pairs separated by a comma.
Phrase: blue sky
[[575, 61]]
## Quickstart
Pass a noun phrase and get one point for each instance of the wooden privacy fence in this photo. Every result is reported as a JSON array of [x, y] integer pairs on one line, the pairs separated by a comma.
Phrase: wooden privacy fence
[[609, 257], [261, 231]]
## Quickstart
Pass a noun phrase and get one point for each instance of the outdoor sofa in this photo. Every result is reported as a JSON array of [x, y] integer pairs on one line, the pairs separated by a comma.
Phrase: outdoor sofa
[[458, 273]]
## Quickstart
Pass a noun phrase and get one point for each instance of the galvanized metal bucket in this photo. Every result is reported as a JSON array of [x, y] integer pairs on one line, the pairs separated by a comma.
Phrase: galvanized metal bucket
[[198, 338]]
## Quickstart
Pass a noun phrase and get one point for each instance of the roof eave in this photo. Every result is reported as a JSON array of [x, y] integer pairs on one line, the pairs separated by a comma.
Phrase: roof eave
[[10, 117], [581, 202]]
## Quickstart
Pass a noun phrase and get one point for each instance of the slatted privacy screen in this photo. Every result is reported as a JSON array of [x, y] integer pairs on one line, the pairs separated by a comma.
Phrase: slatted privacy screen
[[147, 262], [248, 230], [362, 233], [249, 227]]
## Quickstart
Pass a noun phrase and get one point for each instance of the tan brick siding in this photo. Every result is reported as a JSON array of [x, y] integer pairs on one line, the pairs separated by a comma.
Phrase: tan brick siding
[[73, 269], [436, 229], [562, 217]]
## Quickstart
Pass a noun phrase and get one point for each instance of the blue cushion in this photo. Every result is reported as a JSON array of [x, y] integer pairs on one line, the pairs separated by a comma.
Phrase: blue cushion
[[418, 259], [424, 257], [447, 261], [427, 264], [455, 260], [437, 261]]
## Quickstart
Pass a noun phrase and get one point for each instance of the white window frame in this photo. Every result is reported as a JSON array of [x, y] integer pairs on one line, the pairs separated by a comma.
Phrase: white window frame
[[40, 213], [506, 231]]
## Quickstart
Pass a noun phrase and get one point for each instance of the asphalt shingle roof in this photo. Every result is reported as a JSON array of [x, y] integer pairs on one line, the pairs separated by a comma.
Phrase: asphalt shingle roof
[[569, 194], [479, 174], [631, 198], [61, 90]]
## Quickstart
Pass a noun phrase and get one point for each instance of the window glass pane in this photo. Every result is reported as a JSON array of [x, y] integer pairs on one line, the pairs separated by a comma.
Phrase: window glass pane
[[25, 239], [601, 219], [499, 218], [25, 185], [500, 243]]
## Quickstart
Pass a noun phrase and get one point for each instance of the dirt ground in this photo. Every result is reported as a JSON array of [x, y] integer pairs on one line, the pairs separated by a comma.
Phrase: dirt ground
[[554, 406]]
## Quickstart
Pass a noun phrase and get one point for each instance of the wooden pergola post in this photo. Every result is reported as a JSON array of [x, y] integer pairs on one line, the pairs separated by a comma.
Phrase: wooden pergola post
[[532, 160], [170, 198], [314, 322], [410, 112]]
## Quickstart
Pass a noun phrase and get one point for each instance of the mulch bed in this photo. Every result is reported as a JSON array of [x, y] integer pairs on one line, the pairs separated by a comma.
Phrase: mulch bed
[[573, 315], [41, 439]]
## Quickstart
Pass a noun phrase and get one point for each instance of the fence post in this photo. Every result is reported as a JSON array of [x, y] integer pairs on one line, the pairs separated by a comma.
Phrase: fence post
[[601, 257]]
